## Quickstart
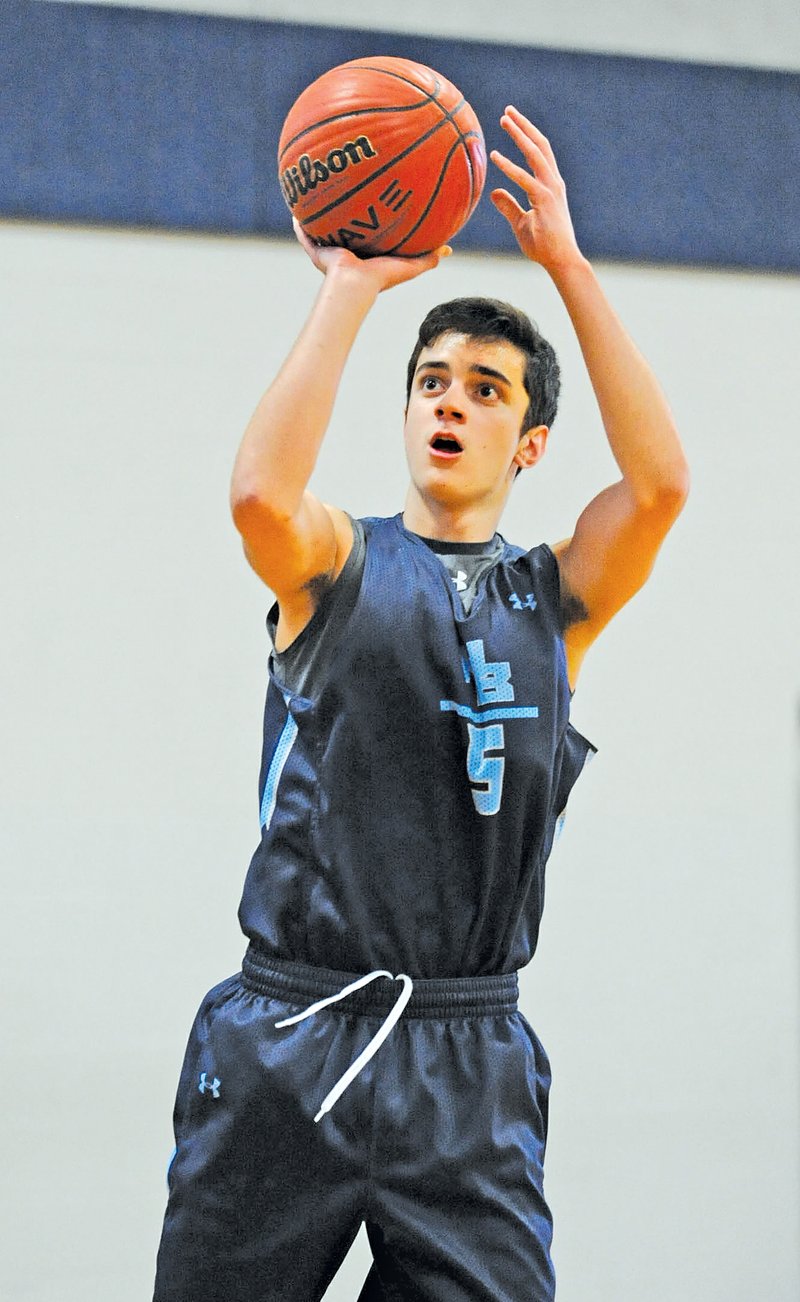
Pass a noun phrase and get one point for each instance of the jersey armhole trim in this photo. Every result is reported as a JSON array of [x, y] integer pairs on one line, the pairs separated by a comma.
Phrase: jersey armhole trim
[[323, 610]]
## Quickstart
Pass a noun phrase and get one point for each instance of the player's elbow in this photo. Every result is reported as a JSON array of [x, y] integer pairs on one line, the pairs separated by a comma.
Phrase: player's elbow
[[674, 491], [664, 498]]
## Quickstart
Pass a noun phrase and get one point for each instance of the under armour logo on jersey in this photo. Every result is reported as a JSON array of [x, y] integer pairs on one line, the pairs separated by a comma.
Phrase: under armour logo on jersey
[[212, 1085], [528, 604], [460, 580]]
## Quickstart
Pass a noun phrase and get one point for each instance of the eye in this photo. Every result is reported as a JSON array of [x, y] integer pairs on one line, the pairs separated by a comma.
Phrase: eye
[[487, 391], [430, 383]]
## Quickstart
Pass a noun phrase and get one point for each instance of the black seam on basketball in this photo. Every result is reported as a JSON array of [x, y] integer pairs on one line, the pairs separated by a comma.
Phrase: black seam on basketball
[[430, 98], [354, 113], [399, 76], [323, 212], [447, 117], [394, 249], [464, 137]]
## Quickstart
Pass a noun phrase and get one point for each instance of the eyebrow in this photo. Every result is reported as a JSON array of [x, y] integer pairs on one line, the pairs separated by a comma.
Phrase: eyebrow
[[475, 370]]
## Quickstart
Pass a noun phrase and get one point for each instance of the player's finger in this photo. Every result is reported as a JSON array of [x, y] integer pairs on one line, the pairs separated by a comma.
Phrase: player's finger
[[534, 156], [303, 239], [427, 260], [507, 205], [531, 129], [515, 173], [397, 270]]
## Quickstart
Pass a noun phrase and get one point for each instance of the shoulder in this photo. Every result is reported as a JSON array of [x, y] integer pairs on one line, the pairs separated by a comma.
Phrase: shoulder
[[376, 526], [542, 564]]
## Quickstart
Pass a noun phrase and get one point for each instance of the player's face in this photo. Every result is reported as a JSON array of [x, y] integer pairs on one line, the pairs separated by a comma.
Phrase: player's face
[[464, 430]]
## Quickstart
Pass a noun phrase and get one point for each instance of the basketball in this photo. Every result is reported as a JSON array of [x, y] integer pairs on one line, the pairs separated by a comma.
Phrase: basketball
[[382, 156]]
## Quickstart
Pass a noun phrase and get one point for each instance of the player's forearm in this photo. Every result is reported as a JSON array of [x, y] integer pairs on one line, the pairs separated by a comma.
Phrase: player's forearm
[[282, 441], [634, 410]]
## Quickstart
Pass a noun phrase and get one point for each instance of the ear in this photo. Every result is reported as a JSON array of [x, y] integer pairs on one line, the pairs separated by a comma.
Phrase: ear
[[531, 446]]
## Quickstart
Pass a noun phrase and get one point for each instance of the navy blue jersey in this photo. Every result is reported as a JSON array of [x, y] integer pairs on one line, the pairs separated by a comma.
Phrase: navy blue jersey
[[408, 809]]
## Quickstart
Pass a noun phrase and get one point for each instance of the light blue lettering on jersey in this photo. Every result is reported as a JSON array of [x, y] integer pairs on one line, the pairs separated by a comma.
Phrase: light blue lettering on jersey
[[490, 716], [492, 677], [485, 759]]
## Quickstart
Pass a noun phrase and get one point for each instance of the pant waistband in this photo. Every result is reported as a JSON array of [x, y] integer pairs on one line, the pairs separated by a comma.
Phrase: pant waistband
[[442, 997]]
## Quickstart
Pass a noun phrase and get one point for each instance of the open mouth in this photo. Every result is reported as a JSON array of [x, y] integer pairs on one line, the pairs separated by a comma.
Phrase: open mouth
[[446, 445]]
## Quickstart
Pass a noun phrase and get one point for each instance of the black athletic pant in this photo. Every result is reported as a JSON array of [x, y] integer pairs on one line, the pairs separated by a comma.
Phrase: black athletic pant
[[437, 1145]]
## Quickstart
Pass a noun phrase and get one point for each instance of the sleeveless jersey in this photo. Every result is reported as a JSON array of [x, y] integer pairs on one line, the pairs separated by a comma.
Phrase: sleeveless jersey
[[409, 807]]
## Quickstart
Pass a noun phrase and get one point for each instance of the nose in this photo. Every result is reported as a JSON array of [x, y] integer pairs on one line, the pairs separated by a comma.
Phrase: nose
[[449, 407]]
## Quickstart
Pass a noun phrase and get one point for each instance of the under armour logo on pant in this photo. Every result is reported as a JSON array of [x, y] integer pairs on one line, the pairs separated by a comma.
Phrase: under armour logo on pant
[[212, 1085]]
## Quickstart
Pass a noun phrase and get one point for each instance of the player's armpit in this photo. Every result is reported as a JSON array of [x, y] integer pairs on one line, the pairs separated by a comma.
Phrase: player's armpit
[[608, 559]]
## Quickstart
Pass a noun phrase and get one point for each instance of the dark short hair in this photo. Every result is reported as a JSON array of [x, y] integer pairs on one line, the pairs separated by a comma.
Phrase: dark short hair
[[488, 319]]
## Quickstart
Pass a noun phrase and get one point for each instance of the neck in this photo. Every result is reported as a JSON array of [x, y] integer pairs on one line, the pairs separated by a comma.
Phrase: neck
[[451, 523]]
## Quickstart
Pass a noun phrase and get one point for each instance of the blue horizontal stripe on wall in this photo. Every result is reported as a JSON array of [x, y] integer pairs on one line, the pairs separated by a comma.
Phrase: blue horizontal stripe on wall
[[151, 118]]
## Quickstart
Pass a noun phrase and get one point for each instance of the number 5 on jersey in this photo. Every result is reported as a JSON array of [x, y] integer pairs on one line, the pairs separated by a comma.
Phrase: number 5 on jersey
[[485, 770]]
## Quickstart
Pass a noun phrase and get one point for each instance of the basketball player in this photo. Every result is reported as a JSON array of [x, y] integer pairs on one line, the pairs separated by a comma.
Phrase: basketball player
[[369, 1063]]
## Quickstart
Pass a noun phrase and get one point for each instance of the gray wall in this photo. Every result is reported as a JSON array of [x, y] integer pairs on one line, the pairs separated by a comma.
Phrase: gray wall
[[665, 988]]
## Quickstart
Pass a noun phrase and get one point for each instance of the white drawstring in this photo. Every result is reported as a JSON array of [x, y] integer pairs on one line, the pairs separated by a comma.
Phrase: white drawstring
[[375, 1043]]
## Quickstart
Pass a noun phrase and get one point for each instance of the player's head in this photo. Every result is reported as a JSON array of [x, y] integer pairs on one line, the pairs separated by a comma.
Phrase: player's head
[[482, 393], [489, 319]]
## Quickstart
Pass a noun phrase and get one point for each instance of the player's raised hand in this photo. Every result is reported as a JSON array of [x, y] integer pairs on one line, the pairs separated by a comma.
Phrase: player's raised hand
[[380, 272], [544, 230]]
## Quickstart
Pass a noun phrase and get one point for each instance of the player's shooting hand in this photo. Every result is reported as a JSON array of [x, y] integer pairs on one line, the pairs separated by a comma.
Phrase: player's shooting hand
[[378, 272], [544, 230]]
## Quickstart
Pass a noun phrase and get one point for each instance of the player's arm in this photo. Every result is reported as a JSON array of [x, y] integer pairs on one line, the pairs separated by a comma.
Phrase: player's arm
[[618, 535], [293, 541]]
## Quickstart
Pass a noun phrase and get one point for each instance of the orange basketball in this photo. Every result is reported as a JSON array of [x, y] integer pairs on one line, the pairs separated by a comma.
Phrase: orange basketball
[[382, 156]]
